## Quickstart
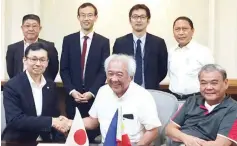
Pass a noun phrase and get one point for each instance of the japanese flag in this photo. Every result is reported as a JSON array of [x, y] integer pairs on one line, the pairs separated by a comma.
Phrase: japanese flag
[[77, 135]]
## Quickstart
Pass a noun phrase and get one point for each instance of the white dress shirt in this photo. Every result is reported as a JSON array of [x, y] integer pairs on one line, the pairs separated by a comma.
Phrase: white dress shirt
[[136, 101], [37, 92], [183, 67]]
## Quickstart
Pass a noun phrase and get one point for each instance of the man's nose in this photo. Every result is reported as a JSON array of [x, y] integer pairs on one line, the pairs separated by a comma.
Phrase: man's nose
[[181, 32], [38, 62], [31, 28], [114, 78], [209, 86]]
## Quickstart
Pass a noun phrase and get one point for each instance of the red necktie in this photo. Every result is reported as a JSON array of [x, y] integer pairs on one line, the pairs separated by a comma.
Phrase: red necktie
[[83, 55]]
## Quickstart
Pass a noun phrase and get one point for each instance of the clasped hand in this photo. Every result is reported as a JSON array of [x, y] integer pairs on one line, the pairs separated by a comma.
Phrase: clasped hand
[[62, 124], [81, 98]]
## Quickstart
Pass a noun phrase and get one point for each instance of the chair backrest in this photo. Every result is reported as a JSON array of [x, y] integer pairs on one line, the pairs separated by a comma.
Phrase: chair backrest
[[167, 105], [3, 119]]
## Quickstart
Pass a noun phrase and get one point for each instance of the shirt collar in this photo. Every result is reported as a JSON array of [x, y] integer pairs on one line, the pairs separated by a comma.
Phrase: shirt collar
[[201, 102], [27, 44], [90, 35], [123, 97], [32, 82], [190, 45], [143, 38], [210, 107]]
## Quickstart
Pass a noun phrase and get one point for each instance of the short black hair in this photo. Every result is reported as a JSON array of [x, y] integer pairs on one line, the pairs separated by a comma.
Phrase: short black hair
[[184, 18], [31, 16], [37, 46], [140, 6], [87, 5]]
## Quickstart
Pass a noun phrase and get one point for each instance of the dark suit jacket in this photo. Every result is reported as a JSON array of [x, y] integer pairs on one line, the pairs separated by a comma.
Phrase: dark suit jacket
[[15, 54], [155, 57], [70, 64], [22, 122]]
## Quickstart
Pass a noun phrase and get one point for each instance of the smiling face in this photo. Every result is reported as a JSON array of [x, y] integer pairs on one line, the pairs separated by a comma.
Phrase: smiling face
[[87, 18], [212, 86], [118, 78], [36, 62], [183, 32], [31, 29]]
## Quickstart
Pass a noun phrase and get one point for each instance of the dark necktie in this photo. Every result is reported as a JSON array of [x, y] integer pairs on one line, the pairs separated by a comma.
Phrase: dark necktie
[[138, 58], [83, 55]]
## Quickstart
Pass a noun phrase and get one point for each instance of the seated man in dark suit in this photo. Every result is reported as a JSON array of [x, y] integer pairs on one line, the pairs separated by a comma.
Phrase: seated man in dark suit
[[209, 119], [30, 101], [15, 52], [149, 50]]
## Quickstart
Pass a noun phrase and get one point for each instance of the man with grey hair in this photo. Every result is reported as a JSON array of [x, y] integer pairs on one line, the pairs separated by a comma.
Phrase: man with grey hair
[[139, 111], [209, 119]]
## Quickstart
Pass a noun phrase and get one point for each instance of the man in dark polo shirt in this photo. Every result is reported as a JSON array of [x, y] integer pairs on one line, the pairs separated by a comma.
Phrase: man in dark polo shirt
[[209, 119]]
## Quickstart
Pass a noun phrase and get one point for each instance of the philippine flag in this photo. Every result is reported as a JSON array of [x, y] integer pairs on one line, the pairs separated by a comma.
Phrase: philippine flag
[[116, 135], [77, 135]]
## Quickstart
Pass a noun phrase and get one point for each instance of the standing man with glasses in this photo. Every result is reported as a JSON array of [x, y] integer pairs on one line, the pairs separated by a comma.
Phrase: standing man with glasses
[[149, 51], [31, 28], [185, 60], [82, 64]]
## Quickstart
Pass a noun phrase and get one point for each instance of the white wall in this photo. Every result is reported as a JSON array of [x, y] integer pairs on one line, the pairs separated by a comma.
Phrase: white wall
[[226, 36], [113, 18], [1, 40], [213, 27]]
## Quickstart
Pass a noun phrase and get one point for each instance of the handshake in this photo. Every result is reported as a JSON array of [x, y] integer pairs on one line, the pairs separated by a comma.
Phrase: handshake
[[62, 124]]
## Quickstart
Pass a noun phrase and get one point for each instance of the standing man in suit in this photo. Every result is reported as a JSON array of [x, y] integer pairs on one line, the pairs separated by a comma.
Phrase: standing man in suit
[[82, 64], [149, 51], [15, 52], [30, 101]]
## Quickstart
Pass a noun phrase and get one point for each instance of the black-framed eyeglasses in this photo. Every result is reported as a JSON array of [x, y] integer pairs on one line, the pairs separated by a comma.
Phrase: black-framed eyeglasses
[[136, 17], [35, 60]]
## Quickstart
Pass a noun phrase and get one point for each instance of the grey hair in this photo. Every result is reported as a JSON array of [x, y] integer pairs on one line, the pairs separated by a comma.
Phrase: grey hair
[[211, 68], [129, 60]]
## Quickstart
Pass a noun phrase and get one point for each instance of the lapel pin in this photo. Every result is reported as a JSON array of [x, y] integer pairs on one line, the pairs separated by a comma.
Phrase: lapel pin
[[47, 87]]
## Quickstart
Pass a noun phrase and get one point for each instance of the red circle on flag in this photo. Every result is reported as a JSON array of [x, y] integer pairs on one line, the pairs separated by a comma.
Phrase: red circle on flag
[[80, 137]]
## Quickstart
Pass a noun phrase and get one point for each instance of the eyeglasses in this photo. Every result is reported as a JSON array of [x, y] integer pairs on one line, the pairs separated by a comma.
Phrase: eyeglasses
[[136, 17], [34, 60], [89, 16], [31, 26]]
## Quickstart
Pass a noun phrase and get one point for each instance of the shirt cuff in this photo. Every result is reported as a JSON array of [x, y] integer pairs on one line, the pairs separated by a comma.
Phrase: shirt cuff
[[70, 93], [92, 94]]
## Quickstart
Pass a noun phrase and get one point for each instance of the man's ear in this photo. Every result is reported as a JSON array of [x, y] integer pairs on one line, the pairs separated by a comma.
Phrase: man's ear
[[23, 59], [226, 83]]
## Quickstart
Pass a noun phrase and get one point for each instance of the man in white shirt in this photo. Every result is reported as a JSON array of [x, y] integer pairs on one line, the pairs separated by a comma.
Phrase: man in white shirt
[[143, 122], [185, 60], [31, 102]]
